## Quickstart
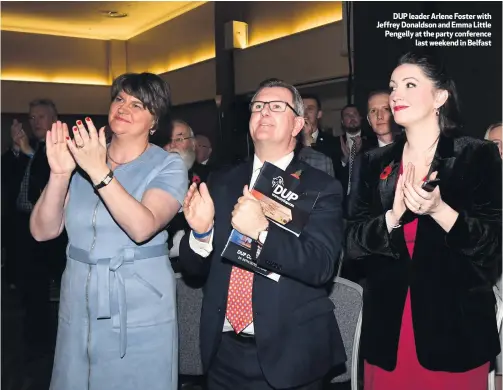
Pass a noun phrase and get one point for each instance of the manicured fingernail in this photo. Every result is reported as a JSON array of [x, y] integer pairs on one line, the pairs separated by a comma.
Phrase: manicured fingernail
[[79, 123], [74, 128], [68, 138], [88, 119]]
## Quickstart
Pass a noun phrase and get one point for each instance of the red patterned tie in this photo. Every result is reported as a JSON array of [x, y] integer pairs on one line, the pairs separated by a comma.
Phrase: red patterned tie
[[239, 299]]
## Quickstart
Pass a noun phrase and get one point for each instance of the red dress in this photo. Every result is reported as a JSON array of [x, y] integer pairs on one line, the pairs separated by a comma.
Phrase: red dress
[[408, 373]]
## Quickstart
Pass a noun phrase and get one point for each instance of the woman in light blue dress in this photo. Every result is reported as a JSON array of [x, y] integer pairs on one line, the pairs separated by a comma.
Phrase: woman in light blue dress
[[117, 316]]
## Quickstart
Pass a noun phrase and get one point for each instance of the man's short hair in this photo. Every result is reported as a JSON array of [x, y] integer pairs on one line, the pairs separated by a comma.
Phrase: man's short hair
[[315, 98], [493, 126], [46, 103], [298, 103], [348, 106], [203, 136], [183, 123], [377, 92]]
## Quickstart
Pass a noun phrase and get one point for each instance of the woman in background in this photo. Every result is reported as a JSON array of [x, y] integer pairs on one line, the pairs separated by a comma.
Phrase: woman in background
[[430, 257], [117, 316]]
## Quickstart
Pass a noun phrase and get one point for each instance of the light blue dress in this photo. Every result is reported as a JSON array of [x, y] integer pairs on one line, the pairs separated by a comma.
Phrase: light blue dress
[[117, 316]]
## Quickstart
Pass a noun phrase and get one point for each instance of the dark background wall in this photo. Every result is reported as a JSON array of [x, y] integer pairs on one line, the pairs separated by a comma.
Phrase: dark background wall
[[477, 71]]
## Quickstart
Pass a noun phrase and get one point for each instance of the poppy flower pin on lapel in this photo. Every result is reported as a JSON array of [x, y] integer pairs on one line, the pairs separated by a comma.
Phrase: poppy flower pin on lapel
[[196, 179], [297, 174], [385, 173]]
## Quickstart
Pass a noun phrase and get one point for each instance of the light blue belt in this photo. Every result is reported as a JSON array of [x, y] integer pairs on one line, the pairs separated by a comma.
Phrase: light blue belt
[[113, 264]]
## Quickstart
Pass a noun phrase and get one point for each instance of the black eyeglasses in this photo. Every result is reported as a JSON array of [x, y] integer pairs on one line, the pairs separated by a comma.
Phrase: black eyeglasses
[[179, 140], [274, 106]]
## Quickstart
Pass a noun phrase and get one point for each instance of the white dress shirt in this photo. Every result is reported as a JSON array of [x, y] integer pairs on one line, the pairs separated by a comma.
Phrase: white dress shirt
[[204, 249], [381, 144]]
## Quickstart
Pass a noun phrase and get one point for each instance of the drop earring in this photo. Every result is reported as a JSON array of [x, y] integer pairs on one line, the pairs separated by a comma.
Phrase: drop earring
[[437, 112]]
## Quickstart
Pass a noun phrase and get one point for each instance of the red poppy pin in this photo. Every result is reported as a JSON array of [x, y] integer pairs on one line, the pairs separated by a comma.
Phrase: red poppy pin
[[297, 174], [385, 173], [196, 179]]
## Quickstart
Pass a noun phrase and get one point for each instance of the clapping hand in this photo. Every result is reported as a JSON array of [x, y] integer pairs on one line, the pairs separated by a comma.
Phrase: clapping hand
[[60, 160], [89, 149], [198, 208], [19, 138], [420, 201]]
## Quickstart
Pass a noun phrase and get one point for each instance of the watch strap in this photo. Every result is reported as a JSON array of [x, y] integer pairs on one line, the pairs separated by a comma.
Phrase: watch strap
[[106, 180]]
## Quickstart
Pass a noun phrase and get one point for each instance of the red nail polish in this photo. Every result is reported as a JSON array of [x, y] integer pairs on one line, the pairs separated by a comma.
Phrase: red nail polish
[[79, 123], [67, 138], [75, 128], [88, 119]]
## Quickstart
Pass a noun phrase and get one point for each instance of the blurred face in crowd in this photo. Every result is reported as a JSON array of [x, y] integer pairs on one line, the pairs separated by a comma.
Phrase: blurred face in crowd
[[414, 98], [312, 114], [495, 136], [182, 143], [379, 114], [128, 115], [203, 148], [41, 119], [275, 127], [351, 120]]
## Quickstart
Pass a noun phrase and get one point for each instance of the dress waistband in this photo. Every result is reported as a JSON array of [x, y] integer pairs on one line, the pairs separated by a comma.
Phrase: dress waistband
[[104, 267]]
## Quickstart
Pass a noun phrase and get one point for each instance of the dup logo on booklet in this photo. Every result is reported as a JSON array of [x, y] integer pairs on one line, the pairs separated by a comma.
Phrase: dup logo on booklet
[[280, 189]]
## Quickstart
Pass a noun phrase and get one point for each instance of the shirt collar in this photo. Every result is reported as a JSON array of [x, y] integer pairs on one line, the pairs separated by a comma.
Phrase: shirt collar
[[315, 135], [282, 163], [381, 144], [354, 135]]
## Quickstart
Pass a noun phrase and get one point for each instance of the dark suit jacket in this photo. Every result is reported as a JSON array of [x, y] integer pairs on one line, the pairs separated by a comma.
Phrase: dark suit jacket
[[178, 222], [450, 275], [326, 144], [296, 332], [342, 172], [13, 170]]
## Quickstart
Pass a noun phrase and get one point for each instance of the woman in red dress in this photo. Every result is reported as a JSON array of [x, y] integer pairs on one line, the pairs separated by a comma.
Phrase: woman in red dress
[[430, 257]]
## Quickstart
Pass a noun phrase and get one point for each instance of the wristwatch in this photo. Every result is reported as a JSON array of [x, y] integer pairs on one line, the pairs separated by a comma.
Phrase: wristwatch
[[106, 181]]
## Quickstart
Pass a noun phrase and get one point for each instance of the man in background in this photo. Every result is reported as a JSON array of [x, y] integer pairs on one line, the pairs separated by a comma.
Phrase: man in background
[[32, 265], [313, 157], [318, 139], [203, 149], [183, 142], [379, 117]]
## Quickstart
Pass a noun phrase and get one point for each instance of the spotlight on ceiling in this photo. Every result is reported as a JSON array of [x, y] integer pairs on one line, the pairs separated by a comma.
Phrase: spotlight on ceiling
[[114, 14]]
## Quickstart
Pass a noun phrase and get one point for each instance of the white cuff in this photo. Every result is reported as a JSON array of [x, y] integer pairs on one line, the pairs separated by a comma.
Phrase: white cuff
[[203, 249]]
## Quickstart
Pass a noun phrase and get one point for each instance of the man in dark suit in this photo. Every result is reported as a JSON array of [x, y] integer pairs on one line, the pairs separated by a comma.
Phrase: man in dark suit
[[183, 142], [259, 333], [381, 122], [25, 172], [313, 157], [320, 140]]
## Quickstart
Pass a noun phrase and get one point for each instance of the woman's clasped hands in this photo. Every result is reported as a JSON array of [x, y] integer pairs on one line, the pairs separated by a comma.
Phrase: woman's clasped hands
[[410, 195]]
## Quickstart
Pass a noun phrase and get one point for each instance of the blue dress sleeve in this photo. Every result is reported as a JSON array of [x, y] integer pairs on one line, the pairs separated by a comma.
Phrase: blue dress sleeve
[[172, 178]]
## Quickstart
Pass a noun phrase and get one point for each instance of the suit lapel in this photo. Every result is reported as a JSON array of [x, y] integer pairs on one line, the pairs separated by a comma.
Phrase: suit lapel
[[389, 174], [444, 160]]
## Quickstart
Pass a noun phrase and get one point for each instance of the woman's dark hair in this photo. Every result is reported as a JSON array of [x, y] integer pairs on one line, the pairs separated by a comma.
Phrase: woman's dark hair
[[151, 90], [448, 118]]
